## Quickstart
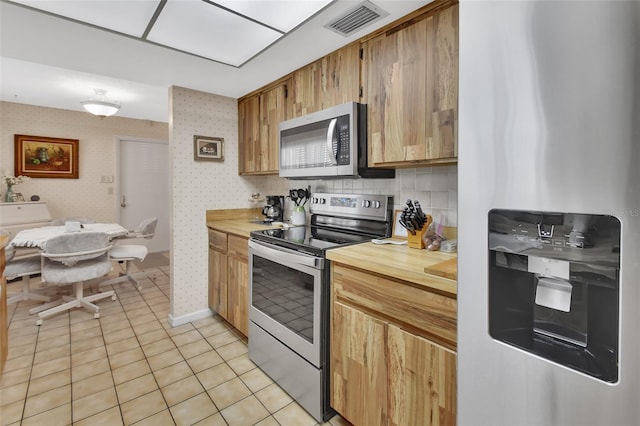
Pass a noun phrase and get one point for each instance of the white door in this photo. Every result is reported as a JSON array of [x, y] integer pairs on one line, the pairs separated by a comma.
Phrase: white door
[[143, 187]]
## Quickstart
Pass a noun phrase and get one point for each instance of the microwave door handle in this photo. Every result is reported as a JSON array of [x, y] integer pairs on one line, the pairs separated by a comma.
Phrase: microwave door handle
[[330, 135]]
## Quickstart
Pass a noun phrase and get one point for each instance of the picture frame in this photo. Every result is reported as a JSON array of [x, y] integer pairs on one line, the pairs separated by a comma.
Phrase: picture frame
[[46, 157], [206, 148], [399, 231], [17, 196]]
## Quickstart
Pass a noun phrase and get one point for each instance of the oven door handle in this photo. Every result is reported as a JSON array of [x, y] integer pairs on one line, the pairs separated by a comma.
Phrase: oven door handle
[[284, 255]]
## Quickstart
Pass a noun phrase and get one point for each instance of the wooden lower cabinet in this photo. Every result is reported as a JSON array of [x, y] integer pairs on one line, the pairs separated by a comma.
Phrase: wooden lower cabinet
[[381, 373], [422, 380], [218, 282], [229, 278], [358, 366], [4, 326], [239, 294]]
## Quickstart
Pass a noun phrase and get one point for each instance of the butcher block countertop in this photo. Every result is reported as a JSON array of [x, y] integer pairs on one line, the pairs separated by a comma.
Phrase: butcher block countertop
[[402, 263], [238, 222], [239, 227]]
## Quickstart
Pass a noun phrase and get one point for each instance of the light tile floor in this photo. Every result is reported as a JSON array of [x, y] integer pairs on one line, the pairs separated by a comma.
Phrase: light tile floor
[[131, 367]]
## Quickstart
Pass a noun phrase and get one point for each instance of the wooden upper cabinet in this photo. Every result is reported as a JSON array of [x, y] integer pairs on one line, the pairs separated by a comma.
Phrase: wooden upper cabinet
[[275, 106], [331, 80], [249, 135], [410, 84], [259, 116]]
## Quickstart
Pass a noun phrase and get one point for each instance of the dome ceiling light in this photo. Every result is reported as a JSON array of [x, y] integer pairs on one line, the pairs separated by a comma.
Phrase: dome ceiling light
[[100, 105]]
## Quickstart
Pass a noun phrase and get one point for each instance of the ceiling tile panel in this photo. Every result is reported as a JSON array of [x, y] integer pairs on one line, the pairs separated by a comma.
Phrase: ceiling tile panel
[[283, 15], [127, 17], [211, 32]]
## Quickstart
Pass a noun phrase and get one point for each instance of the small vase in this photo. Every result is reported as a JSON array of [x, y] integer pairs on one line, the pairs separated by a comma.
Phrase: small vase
[[8, 196], [298, 216]]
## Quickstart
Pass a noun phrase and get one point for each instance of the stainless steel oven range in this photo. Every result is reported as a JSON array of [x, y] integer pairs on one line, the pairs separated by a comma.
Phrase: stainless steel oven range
[[289, 292]]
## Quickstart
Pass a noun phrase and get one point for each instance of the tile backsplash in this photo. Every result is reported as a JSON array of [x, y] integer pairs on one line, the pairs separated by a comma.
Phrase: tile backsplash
[[434, 187]]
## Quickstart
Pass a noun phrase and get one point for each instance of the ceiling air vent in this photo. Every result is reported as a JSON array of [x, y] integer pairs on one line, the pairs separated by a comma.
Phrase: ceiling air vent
[[354, 19]]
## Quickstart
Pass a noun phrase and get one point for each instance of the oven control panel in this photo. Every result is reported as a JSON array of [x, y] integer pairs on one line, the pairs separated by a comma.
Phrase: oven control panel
[[366, 206]]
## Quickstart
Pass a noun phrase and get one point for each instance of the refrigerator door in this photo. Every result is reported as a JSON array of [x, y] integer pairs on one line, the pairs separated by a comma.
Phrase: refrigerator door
[[549, 120]]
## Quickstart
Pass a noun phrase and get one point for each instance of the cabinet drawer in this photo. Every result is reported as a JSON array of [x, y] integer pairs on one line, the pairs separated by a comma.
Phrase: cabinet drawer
[[239, 247], [217, 240], [428, 314]]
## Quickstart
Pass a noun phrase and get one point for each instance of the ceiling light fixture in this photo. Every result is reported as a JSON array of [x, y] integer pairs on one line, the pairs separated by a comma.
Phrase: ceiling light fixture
[[100, 105]]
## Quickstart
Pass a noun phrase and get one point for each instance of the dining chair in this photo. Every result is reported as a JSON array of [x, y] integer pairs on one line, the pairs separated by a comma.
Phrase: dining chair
[[75, 258], [23, 267], [127, 253]]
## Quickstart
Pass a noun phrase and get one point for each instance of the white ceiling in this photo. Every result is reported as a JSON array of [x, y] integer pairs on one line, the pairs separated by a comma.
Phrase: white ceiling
[[50, 61]]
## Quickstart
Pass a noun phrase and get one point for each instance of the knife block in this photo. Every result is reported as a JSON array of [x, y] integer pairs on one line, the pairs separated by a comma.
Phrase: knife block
[[416, 241]]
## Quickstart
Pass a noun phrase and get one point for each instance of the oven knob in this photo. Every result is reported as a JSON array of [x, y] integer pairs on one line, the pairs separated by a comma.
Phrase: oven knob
[[315, 200], [366, 203], [377, 204], [323, 201]]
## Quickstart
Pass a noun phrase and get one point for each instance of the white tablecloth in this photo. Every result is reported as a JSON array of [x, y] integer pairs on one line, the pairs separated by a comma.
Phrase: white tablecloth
[[37, 237]]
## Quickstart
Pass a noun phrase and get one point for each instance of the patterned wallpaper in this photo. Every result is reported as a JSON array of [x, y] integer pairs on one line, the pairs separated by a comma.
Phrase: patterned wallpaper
[[198, 186]]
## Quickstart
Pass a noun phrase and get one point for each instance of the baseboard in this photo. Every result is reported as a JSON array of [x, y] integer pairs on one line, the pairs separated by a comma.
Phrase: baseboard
[[193, 316]]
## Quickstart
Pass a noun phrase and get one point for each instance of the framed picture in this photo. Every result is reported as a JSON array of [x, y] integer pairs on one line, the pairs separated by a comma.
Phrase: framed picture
[[17, 196], [206, 148], [44, 157], [399, 231]]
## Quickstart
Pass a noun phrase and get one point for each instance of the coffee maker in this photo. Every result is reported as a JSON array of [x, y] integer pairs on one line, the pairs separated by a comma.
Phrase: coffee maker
[[274, 209]]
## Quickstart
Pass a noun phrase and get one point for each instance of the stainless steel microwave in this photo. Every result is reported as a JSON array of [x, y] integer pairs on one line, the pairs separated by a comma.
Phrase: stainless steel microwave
[[331, 143]]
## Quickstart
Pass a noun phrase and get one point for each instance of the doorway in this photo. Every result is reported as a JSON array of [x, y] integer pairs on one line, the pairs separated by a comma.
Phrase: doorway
[[142, 170]]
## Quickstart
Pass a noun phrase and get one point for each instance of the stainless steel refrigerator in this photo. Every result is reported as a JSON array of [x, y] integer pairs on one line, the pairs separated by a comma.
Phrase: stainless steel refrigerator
[[549, 213]]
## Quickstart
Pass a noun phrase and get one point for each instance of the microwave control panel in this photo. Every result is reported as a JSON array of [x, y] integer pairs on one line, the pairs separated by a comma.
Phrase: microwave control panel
[[343, 152]]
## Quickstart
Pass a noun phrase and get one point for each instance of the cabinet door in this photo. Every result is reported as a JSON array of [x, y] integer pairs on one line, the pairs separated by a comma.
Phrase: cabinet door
[[332, 80], [218, 282], [422, 381], [442, 85], [358, 366], [239, 294], [4, 330], [411, 90], [341, 76], [249, 135], [275, 106]]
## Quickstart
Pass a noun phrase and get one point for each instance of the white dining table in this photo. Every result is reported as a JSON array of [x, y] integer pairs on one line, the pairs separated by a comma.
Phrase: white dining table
[[37, 237]]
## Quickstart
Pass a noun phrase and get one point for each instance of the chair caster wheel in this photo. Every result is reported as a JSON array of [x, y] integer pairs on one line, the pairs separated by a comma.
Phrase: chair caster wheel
[[96, 315], [39, 322]]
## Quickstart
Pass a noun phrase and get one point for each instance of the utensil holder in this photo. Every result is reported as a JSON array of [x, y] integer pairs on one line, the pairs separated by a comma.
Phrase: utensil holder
[[416, 241]]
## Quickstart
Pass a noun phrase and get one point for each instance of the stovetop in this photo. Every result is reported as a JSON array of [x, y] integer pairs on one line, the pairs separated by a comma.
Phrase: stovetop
[[336, 220], [301, 238]]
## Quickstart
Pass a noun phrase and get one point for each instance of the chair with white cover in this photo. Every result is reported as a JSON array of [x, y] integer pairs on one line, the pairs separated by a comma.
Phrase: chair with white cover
[[23, 267], [74, 258], [127, 253]]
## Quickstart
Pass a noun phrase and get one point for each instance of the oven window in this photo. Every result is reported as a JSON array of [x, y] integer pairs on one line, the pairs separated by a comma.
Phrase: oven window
[[285, 295]]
